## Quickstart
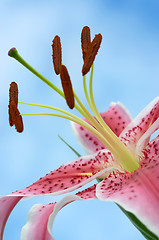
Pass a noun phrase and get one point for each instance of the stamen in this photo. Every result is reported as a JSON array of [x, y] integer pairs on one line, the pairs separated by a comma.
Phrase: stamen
[[85, 40], [18, 121], [74, 118], [14, 114], [91, 53], [57, 54], [12, 107], [14, 117], [13, 93], [97, 128], [13, 102], [122, 154], [67, 87], [86, 92]]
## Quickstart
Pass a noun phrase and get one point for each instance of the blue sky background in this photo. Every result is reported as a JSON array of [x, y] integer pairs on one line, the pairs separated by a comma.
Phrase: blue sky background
[[126, 70]]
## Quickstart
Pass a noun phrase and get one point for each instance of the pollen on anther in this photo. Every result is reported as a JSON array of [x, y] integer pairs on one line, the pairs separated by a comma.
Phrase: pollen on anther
[[13, 93], [14, 115], [67, 87], [18, 121], [11, 110], [91, 53], [57, 54], [15, 118], [85, 40]]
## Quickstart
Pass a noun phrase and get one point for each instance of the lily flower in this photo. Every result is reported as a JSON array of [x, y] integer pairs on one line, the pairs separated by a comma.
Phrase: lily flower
[[122, 157]]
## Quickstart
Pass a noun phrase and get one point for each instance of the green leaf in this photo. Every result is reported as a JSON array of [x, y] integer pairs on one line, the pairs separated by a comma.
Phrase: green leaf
[[78, 155], [139, 225]]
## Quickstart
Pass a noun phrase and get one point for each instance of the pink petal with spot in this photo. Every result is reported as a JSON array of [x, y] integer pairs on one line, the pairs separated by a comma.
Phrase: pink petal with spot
[[41, 218], [72, 175], [134, 131], [117, 118], [137, 192], [6, 206], [88, 193], [36, 226], [144, 140]]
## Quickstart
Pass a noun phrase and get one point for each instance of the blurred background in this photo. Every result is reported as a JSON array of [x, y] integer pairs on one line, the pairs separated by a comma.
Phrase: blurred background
[[126, 70]]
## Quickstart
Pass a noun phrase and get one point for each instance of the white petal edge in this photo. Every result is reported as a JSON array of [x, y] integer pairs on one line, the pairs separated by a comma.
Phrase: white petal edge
[[143, 141], [59, 205]]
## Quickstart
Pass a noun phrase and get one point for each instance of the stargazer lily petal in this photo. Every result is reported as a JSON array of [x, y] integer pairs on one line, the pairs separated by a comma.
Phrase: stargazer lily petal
[[41, 216], [6, 206], [137, 192], [116, 117], [72, 175], [88, 193], [134, 131], [144, 140], [36, 226]]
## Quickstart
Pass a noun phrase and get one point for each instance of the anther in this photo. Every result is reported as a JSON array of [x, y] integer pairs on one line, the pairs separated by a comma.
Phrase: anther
[[67, 87], [12, 107], [15, 118], [13, 93], [57, 54], [91, 53], [18, 121], [14, 115], [85, 40]]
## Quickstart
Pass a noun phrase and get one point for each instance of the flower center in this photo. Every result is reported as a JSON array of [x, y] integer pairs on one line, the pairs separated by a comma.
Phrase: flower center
[[97, 126]]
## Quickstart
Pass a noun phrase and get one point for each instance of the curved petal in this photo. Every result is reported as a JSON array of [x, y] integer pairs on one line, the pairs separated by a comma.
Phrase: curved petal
[[146, 136], [41, 217], [66, 200], [36, 226], [116, 117], [72, 175], [137, 192], [134, 131], [6, 206]]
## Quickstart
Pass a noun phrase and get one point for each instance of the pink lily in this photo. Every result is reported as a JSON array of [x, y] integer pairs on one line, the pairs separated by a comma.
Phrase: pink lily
[[136, 192], [122, 157]]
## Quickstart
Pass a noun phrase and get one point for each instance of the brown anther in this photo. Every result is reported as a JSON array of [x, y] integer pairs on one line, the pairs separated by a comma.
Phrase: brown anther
[[91, 53], [67, 87], [18, 121], [57, 54], [14, 115], [85, 40], [13, 93], [12, 109]]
